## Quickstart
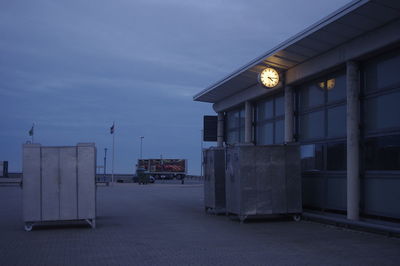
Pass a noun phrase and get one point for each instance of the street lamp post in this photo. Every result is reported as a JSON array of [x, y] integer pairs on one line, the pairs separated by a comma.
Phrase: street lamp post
[[105, 161], [201, 154], [141, 146]]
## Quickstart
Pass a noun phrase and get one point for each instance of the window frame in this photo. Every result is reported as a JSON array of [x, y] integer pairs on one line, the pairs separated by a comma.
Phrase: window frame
[[325, 107], [238, 128], [365, 95], [299, 111], [274, 119]]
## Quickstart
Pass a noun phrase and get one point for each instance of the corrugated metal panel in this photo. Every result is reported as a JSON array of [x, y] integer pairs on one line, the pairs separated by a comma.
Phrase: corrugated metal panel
[[352, 20]]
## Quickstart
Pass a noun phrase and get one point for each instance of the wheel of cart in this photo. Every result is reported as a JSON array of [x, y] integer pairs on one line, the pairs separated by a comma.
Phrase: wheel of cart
[[242, 218], [297, 217], [91, 222], [28, 227]]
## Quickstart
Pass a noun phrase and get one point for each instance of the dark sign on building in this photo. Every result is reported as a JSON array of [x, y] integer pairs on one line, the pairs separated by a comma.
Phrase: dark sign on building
[[4, 168], [210, 127]]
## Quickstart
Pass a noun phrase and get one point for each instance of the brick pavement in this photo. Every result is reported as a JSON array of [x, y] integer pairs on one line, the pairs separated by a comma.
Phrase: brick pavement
[[164, 224]]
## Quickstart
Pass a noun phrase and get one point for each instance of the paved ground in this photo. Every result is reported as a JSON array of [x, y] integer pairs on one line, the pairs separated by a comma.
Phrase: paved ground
[[164, 224]]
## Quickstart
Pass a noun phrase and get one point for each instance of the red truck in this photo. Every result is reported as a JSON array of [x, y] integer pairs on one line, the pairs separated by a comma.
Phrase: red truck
[[164, 168]]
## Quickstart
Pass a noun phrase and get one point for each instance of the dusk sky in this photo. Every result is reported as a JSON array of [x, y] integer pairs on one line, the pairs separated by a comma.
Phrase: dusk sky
[[73, 67]]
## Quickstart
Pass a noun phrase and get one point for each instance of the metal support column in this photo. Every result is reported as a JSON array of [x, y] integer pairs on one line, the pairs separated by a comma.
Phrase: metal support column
[[353, 137], [289, 114], [220, 130], [248, 121]]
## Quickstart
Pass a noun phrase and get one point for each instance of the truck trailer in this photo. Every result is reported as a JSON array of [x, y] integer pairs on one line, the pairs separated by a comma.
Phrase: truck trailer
[[164, 168]]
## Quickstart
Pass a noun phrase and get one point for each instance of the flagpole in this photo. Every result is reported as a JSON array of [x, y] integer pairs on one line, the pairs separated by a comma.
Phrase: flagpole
[[33, 132], [201, 154], [113, 152]]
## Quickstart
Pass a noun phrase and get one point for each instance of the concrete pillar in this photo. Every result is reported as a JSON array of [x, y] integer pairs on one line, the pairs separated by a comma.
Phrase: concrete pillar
[[220, 130], [248, 122], [353, 138], [289, 114]]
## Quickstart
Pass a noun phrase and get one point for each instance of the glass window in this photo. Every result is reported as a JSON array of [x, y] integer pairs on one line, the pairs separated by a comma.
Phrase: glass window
[[382, 72], [259, 112], [232, 136], [383, 111], [322, 115], [311, 96], [311, 157], [265, 133], [279, 131], [279, 106], [241, 118], [269, 123], [336, 88], [312, 125], [230, 120], [235, 126], [236, 117], [267, 110], [382, 153], [241, 137], [336, 157], [337, 121]]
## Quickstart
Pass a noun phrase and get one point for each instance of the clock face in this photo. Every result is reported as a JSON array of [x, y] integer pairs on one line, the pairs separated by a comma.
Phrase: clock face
[[269, 77]]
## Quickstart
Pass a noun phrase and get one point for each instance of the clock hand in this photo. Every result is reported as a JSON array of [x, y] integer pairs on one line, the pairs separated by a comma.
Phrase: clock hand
[[270, 78]]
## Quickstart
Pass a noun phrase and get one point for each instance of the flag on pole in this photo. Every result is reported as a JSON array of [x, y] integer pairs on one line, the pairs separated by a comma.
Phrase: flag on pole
[[31, 130], [112, 129]]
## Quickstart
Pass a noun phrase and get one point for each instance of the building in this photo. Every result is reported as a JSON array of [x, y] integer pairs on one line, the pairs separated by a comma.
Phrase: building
[[338, 95]]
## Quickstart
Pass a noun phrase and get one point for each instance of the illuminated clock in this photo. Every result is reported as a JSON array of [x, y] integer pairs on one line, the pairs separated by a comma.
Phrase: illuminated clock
[[269, 77]]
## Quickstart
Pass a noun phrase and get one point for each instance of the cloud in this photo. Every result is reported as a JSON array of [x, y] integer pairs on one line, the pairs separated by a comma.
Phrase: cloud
[[74, 67]]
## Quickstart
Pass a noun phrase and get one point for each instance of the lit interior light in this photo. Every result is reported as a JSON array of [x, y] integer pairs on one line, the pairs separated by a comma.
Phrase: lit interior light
[[327, 85], [330, 84]]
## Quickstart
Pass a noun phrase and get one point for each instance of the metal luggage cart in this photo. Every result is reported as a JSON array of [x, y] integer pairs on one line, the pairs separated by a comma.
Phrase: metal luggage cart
[[263, 181], [59, 184]]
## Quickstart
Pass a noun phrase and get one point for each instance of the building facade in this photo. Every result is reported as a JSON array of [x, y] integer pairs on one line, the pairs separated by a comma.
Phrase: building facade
[[338, 97]]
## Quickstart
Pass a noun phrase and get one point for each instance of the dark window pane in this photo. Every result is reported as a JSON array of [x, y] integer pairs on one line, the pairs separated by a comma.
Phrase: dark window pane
[[337, 121], [228, 121], [383, 111], [279, 106], [265, 110], [259, 111], [312, 125], [241, 117], [231, 119], [232, 136], [336, 157], [382, 153], [382, 72], [236, 119], [279, 131], [265, 134], [311, 157], [336, 88], [311, 96], [241, 137]]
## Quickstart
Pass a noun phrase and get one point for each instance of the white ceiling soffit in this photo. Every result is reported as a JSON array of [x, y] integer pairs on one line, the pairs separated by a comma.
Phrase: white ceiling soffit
[[352, 20]]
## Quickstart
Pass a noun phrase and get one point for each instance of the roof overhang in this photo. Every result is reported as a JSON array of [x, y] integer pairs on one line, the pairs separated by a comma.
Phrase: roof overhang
[[354, 19]]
